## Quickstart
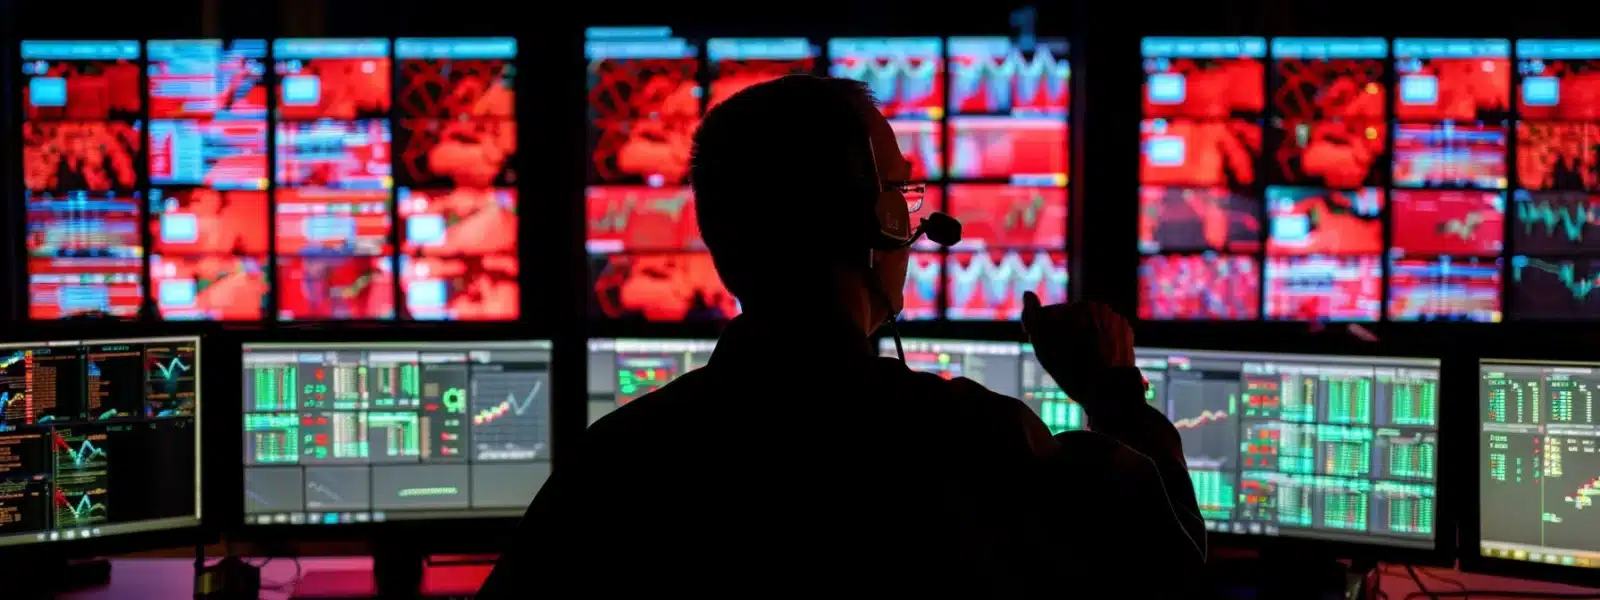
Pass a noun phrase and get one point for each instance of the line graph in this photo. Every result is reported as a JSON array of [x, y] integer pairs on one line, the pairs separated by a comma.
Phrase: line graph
[[1201, 420], [169, 380], [90, 508], [641, 219], [1555, 289], [510, 419], [991, 77], [167, 369], [993, 282], [75, 451], [337, 488], [1202, 411], [1557, 222]]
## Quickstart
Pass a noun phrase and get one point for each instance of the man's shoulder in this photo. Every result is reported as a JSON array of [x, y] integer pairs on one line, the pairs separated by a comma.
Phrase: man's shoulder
[[657, 407], [971, 404]]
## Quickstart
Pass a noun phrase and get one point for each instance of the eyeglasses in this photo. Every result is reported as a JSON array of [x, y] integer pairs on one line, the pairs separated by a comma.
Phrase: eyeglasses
[[914, 193]]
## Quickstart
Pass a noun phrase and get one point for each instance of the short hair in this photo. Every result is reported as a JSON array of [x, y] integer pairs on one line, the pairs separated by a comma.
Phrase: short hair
[[785, 151]]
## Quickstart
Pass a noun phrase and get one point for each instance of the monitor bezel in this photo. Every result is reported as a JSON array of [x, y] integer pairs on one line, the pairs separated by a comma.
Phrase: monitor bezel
[[203, 530], [468, 533], [1472, 558]]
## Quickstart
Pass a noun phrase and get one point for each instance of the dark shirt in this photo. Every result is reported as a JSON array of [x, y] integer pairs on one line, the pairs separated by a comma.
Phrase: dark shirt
[[797, 462]]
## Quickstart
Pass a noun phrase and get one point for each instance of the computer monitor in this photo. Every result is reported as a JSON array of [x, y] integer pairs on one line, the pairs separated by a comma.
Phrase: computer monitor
[[373, 432], [1336, 449], [1008, 368], [99, 444], [1538, 469], [1321, 448], [621, 370]]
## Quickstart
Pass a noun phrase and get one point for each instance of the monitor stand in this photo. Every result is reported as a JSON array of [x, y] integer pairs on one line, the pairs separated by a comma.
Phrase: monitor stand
[[396, 574]]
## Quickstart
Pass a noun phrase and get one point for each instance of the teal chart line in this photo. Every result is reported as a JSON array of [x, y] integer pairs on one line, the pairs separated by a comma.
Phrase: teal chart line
[[16, 357], [85, 453], [176, 364], [1568, 221], [84, 507], [1565, 272]]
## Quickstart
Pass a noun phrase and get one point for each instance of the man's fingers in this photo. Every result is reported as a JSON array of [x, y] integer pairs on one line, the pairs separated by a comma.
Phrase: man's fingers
[[1030, 311]]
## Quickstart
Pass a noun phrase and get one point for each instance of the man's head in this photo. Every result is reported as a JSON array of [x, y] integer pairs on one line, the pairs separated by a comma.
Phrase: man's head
[[785, 192]]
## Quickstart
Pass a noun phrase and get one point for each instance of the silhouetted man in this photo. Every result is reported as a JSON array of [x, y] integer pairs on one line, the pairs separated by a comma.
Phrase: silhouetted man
[[798, 463]]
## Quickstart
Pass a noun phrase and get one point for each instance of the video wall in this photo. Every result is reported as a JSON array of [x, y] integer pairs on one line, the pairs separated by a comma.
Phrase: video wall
[[983, 121], [1355, 179], [362, 179]]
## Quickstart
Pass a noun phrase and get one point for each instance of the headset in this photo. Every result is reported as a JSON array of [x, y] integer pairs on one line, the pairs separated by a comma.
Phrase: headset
[[889, 228]]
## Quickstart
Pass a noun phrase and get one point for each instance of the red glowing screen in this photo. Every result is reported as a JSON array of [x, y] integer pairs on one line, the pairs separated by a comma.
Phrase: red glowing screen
[[999, 147], [921, 292], [1199, 287], [1576, 93], [200, 221], [335, 287], [738, 63], [1453, 89], [479, 153], [1450, 155], [1337, 154], [477, 288], [676, 286], [1445, 289], [635, 219], [209, 287], [332, 222], [333, 88], [91, 156], [1207, 88], [454, 88], [906, 74], [1333, 288], [1199, 153], [80, 90], [1449, 222], [988, 286], [1317, 89], [63, 287], [459, 222], [1558, 156], [1308, 221], [1005, 216], [1179, 219], [644, 105]]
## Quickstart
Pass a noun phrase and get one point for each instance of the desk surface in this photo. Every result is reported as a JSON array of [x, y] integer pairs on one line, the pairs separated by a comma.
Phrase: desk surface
[[173, 578]]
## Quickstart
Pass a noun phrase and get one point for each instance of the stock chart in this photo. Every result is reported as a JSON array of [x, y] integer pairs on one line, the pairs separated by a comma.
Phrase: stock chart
[[357, 433], [982, 120], [98, 438], [363, 140], [1541, 473], [1339, 448], [622, 370], [1322, 447], [1395, 161]]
